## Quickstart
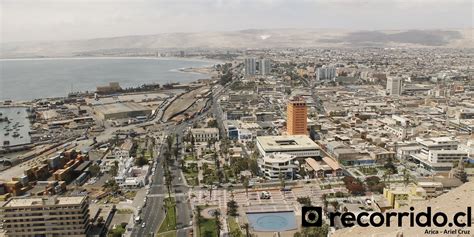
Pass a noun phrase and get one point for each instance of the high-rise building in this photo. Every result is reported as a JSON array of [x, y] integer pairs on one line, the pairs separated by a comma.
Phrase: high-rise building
[[265, 66], [297, 115], [46, 216], [250, 66], [325, 73], [394, 86]]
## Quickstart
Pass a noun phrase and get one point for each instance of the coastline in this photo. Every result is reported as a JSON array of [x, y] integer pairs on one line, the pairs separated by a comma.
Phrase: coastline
[[111, 57], [205, 70], [198, 70]]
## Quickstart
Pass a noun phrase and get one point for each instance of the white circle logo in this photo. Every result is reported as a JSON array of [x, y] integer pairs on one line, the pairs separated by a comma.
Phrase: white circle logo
[[314, 218]]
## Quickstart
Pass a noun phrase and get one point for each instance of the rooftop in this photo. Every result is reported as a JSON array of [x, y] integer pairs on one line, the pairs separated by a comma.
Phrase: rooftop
[[120, 107], [287, 143], [205, 130], [40, 201]]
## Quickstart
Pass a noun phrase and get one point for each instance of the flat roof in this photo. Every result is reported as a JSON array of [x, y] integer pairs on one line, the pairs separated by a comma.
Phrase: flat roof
[[121, 107], [287, 143], [278, 157], [39, 201], [204, 130]]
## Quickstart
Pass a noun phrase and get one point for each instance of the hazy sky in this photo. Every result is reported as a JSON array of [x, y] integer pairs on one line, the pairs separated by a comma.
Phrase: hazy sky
[[32, 20]]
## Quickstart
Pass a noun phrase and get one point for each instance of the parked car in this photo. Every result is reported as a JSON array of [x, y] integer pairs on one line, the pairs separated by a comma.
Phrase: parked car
[[265, 195]]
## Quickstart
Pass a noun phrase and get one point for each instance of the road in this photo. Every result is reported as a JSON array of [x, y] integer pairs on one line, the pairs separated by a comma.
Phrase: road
[[150, 215], [153, 213]]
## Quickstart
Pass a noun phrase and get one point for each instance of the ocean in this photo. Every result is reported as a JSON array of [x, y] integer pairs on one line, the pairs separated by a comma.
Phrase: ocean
[[26, 79]]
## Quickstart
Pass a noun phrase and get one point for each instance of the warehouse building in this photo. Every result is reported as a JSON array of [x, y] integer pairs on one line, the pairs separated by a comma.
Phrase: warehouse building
[[117, 111]]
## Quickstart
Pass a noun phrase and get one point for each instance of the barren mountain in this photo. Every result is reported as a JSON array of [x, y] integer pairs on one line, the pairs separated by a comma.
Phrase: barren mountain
[[253, 38]]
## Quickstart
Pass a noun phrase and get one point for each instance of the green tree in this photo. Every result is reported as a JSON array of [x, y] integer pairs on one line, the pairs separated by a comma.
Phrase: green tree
[[246, 227], [114, 169], [217, 219], [118, 231], [94, 170], [232, 208], [305, 201], [111, 185], [406, 177], [313, 232], [212, 123], [246, 185], [198, 218], [141, 161], [282, 180]]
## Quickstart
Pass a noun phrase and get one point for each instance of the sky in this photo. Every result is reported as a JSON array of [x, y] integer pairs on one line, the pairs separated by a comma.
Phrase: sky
[[44, 20]]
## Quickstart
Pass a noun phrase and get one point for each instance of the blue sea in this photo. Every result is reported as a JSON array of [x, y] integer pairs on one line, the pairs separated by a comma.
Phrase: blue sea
[[26, 79]]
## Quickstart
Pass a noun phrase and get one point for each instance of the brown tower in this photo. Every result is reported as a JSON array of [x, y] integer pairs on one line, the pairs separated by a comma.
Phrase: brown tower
[[297, 115]]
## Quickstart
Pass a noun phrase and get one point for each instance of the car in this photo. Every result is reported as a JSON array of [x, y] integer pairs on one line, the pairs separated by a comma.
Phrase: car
[[265, 195], [143, 225]]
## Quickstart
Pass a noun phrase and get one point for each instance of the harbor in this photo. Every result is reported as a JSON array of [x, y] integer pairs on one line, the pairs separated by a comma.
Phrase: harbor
[[14, 126]]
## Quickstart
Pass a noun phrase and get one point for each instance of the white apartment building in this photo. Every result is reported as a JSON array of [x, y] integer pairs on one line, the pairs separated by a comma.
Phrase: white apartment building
[[278, 163], [46, 216], [265, 67], [205, 134], [129, 175], [325, 73], [394, 86], [438, 154], [250, 66]]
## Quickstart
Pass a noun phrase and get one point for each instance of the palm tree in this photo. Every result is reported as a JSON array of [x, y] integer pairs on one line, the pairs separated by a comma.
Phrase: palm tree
[[169, 142], [168, 181], [246, 186], [387, 174], [176, 151], [210, 187], [217, 216], [246, 226], [198, 219], [406, 177], [282, 179], [325, 201], [230, 189]]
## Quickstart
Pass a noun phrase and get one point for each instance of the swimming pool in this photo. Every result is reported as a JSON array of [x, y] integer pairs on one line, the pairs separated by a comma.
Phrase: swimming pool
[[272, 221]]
